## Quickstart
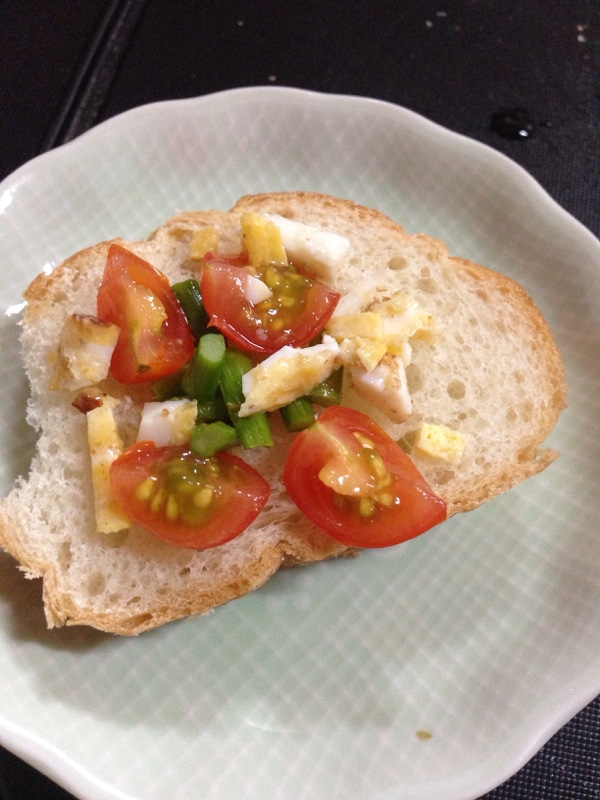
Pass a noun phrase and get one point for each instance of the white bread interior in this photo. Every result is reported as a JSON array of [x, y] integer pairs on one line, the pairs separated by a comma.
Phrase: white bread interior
[[495, 375]]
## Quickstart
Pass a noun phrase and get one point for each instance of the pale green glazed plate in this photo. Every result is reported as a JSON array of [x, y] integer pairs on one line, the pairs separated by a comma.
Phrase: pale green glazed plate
[[430, 670]]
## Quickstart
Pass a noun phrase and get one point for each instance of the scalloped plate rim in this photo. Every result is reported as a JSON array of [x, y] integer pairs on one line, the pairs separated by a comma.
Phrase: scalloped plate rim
[[57, 765]]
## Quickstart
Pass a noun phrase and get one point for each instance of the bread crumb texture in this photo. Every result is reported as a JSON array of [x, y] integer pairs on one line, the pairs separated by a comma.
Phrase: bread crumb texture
[[495, 376]]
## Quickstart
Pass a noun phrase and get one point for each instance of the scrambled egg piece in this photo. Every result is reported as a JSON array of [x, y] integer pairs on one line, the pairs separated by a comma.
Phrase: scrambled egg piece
[[85, 349], [105, 447], [384, 387], [319, 251], [262, 240], [375, 345], [385, 327], [441, 442], [168, 422], [204, 240], [404, 319], [289, 373], [361, 336]]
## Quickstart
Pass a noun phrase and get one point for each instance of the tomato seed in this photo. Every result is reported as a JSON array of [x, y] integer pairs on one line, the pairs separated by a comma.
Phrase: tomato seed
[[172, 510], [366, 507], [380, 470], [145, 489], [364, 440], [158, 500], [272, 279], [203, 497], [384, 499]]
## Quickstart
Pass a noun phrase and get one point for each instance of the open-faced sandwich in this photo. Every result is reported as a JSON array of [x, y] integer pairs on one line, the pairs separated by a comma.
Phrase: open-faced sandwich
[[289, 381]]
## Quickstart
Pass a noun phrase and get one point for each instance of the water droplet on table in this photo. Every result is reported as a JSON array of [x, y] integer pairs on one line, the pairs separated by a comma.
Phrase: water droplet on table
[[512, 123]]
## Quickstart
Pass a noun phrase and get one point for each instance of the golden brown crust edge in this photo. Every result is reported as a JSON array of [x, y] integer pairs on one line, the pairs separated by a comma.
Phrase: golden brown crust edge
[[48, 289], [532, 459], [60, 610]]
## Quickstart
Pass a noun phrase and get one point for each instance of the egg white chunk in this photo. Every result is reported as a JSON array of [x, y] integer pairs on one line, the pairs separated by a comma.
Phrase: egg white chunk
[[255, 290], [85, 350], [384, 387], [289, 373], [321, 252], [168, 422], [384, 328]]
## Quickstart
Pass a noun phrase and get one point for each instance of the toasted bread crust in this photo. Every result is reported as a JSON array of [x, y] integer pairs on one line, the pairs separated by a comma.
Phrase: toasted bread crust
[[86, 577]]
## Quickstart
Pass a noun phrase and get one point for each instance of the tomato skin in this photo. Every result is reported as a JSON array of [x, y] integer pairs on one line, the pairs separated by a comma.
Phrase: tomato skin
[[147, 349], [239, 493], [233, 314], [419, 508]]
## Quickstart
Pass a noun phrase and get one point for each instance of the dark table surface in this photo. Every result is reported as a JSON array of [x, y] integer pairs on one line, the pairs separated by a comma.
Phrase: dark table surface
[[520, 75]]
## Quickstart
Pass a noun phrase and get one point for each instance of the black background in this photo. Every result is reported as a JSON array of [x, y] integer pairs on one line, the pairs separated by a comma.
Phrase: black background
[[520, 75]]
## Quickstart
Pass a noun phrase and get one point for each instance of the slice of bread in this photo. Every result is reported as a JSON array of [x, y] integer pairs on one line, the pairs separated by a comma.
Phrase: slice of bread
[[495, 375]]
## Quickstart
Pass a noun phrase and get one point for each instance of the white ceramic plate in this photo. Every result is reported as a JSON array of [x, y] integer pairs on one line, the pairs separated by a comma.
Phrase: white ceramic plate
[[431, 670]]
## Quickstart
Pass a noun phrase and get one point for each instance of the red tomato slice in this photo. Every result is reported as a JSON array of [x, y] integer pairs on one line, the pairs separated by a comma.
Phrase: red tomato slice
[[297, 311], [155, 338], [380, 497], [188, 501]]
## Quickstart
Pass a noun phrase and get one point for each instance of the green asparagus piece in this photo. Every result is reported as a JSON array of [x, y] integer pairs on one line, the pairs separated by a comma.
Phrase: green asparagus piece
[[201, 379], [235, 366], [298, 415], [213, 410], [252, 431], [210, 438], [190, 299], [329, 392]]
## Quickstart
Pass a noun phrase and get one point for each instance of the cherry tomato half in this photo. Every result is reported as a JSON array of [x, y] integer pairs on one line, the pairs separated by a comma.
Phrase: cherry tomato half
[[155, 338], [353, 481], [186, 500], [298, 309]]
